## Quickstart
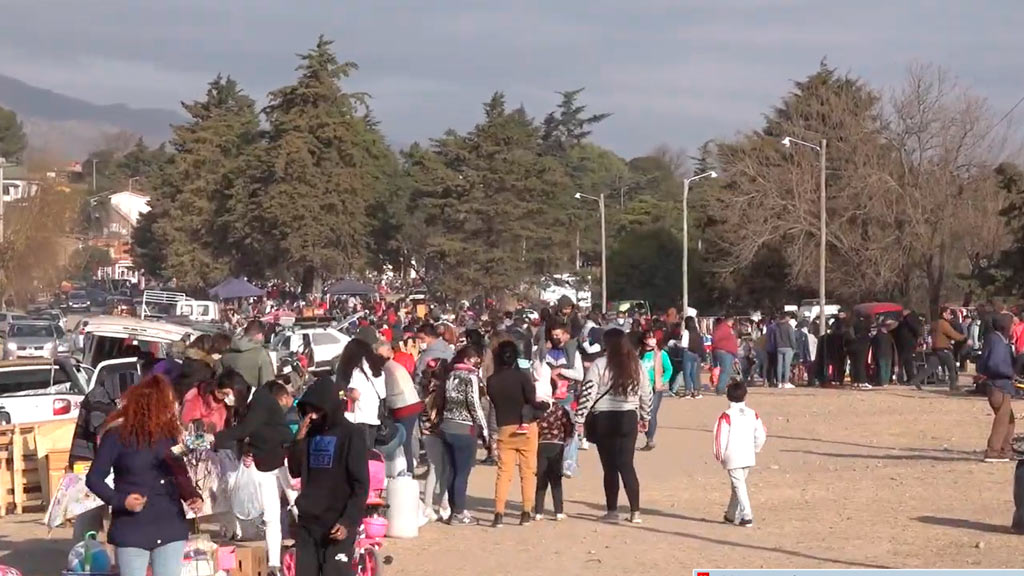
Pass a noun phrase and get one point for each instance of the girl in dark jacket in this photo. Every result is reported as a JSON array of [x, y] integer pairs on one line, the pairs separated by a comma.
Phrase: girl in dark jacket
[[148, 525]]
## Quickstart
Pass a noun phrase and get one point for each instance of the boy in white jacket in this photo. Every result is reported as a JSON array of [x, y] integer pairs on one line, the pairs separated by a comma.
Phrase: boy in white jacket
[[739, 436]]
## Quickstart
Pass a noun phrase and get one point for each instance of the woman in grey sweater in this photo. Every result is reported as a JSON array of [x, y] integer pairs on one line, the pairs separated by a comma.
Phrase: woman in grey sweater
[[616, 390]]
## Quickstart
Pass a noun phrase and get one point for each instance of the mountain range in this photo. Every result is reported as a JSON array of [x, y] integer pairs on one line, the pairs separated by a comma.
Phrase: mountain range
[[69, 128]]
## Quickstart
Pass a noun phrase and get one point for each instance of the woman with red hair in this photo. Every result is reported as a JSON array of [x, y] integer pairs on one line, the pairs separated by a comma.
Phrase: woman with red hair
[[148, 525]]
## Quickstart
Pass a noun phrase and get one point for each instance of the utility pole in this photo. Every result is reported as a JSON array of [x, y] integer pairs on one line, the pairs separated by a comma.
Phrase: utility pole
[[604, 260], [93, 175], [3, 201], [821, 249]]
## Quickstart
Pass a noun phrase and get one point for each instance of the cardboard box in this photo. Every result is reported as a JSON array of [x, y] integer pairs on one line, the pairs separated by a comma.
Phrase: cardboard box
[[252, 559]]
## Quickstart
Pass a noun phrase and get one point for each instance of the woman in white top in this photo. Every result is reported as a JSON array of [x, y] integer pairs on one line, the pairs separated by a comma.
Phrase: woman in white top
[[361, 375]]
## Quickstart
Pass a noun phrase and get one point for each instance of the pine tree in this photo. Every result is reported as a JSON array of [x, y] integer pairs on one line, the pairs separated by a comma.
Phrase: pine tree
[[191, 231], [321, 167], [489, 194]]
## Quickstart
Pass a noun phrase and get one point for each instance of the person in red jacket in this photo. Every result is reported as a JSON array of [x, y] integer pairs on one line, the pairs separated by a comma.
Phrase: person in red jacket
[[724, 348]]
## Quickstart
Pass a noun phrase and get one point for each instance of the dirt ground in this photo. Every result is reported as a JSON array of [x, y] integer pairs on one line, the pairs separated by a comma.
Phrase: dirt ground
[[848, 479]]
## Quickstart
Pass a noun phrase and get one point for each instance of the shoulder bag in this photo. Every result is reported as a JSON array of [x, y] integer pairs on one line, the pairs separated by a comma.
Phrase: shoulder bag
[[589, 423]]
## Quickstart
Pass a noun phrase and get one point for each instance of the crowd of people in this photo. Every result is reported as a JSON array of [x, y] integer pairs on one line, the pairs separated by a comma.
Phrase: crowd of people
[[427, 395]]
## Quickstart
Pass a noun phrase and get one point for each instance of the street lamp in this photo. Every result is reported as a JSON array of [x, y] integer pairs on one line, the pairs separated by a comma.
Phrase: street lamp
[[686, 238], [788, 142], [604, 251]]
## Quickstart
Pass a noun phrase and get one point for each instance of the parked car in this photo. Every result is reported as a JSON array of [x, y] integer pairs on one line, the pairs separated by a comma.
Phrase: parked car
[[97, 298], [54, 316], [31, 339], [42, 390], [327, 344], [78, 301], [6, 318]]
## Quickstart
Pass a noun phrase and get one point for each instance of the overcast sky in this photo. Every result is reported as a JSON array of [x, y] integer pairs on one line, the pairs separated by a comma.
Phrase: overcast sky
[[672, 71]]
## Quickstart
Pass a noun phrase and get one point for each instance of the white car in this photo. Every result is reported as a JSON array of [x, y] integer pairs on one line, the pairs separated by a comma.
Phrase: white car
[[327, 344], [48, 390]]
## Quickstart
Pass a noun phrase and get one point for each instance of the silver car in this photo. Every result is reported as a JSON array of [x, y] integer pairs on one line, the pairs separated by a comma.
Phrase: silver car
[[30, 339]]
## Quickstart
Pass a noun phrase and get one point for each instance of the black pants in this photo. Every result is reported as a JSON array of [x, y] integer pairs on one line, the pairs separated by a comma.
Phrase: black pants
[[859, 366], [317, 555], [838, 364], [549, 472], [615, 435], [908, 369], [942, 358]]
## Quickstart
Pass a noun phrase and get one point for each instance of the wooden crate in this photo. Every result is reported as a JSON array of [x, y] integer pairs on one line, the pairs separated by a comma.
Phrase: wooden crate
[[26, 470]]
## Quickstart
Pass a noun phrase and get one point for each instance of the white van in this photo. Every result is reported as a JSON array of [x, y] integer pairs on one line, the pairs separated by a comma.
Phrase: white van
[[110, 337]]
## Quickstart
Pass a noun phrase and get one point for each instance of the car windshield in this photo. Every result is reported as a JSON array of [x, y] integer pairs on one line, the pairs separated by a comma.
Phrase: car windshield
[[78, 295], [30, 331]]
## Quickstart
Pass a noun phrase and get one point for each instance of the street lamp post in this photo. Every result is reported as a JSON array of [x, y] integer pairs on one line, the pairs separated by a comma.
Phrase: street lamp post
[[787, 142], [686, 238], [604, 249]]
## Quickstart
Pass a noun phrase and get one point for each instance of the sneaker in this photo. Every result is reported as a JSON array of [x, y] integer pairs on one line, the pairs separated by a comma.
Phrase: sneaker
[[499, 521], [538, 517], [647, 447], [559, 517], [489, 461], [523, 429], [991, 459], [610, 518], [431, 515], [728, 520], [584, 445], [687, 396], [634, 518], [698, 396], [747, 522], [445, 513], [525, 518], [787, 385], [464, 519]]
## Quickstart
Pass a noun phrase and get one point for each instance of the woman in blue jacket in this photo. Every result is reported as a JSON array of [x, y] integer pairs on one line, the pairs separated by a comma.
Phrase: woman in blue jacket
[[650, 355], [148, 525]]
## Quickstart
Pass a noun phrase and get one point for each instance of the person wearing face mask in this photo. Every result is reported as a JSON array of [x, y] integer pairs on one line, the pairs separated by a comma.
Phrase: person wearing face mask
[[432, 346], [330, 456], [659, 373], [211, 402], [265, 436], [248, 357]]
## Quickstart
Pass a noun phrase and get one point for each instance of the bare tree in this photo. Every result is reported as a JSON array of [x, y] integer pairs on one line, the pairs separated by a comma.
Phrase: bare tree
[[946, 141]]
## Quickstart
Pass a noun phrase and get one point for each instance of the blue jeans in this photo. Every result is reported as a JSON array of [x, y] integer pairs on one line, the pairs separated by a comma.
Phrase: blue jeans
[[408, 425], [785, 363], [691, 372], [461, 450], [167, 560], [724, 360], [652, 426]]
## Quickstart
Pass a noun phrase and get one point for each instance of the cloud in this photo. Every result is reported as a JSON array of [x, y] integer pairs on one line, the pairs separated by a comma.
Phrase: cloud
[[675, 71]]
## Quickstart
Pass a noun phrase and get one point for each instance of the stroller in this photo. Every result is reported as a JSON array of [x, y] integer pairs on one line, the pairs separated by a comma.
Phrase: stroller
[[370, 539]]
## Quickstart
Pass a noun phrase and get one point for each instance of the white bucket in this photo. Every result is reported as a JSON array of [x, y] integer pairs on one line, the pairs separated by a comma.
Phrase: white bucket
[[403, 507]]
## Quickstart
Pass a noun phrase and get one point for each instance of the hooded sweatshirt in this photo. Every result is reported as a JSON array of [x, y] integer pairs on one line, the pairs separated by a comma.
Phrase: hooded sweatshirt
[[332, 463], [248, 357], [264, 429]]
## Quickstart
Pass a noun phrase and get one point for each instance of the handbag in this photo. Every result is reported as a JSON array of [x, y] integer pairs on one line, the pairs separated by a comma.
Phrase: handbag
[[589, 423], [386, 429]]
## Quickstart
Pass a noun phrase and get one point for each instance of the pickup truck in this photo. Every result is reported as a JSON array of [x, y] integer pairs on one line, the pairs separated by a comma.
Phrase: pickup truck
[[45, 390]]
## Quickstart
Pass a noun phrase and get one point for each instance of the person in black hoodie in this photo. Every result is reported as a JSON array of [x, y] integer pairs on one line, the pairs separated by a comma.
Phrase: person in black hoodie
[[905, 336], [265, 436], [330, 455]]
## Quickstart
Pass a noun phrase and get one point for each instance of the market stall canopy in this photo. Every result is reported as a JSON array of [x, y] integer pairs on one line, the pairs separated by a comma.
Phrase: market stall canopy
[[235, 288], [350, 288]]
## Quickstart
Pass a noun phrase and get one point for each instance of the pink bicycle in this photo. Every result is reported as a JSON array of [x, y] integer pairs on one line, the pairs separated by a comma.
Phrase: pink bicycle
[[368, 560]]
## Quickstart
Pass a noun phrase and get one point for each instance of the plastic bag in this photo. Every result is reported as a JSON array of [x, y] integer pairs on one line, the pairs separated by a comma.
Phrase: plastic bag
[[89, 556], [246, 503], [570, 460]]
